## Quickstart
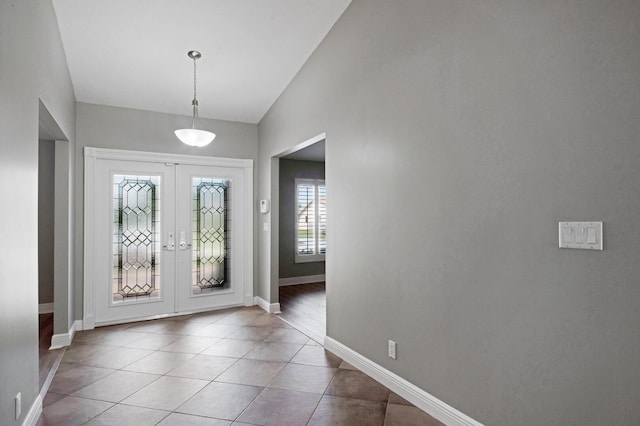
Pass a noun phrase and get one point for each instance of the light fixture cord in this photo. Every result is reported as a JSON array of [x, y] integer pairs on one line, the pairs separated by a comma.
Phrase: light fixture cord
[[194, 121]]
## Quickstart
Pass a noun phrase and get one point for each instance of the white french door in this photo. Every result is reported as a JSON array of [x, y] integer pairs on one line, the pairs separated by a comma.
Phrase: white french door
[[209, 227], [134, 219], [165, 234]]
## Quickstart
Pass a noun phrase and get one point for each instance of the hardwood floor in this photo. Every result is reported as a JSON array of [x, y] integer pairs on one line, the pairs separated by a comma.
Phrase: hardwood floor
[[304, 306]]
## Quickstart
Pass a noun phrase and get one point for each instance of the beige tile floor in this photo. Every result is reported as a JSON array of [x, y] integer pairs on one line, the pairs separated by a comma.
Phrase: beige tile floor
[[233, 367]]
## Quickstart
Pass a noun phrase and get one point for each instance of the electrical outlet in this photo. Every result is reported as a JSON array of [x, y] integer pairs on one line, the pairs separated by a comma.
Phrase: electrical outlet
[[392, 349], [18, 401]]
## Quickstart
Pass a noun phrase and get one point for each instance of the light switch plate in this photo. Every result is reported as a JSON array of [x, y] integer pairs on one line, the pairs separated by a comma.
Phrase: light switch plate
[[580, 235]]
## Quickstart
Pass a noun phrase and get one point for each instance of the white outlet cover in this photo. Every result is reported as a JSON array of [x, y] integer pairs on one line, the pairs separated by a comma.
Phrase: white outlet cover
[[392, 349], [18, 405]]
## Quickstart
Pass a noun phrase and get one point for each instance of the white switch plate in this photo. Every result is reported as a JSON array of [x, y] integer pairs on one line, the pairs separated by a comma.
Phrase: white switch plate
[[580, 235]]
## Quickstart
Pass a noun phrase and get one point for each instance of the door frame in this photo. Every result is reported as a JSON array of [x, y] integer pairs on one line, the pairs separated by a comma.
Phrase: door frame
[[91, 155], [274, 221]]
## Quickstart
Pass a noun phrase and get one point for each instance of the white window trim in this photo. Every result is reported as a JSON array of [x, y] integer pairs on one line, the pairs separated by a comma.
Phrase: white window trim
[[306, 258]]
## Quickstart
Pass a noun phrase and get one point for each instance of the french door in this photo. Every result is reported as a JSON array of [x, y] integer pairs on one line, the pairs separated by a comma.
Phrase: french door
[[165, 237]]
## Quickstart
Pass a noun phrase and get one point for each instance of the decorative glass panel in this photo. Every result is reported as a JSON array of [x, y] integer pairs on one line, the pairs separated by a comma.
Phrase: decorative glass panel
[[135, 238], [210, 234]]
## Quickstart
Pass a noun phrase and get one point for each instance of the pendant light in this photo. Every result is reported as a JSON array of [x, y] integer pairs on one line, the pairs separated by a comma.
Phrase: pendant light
[[194, 136]]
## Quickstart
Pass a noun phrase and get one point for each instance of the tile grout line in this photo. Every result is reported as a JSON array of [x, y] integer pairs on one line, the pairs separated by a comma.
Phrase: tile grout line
[[245, 326]]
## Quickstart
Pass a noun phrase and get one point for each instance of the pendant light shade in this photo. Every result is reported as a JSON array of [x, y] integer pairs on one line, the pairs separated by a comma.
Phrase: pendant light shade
[[195, 136]]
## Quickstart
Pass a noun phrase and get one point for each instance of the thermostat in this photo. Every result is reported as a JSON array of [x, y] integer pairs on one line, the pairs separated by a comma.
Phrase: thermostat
[[264, 206]]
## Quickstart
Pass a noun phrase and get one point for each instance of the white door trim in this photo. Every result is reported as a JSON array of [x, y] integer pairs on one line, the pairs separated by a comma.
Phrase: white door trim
[[91, 154]]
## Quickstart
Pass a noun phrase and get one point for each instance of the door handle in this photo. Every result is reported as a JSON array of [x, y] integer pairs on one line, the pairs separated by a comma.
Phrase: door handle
[[183, 241], [171, 242]]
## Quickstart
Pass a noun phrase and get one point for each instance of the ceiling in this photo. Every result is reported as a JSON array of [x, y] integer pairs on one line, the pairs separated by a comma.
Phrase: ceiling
[[134, 53], [313, 152]]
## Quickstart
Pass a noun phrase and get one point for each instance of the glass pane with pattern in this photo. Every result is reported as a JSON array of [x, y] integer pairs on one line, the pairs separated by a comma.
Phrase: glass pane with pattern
[[210, 234], [136, 238]]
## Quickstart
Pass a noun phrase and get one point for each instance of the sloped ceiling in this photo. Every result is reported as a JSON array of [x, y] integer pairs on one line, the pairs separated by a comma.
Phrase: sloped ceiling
[[133, 53]]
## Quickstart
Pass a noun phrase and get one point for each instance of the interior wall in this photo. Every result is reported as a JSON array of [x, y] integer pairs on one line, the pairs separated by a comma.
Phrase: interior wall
[[289, 171], [32, 68], [63, 250], [46, 179], [461, 134], [62, 216], [131, 129]]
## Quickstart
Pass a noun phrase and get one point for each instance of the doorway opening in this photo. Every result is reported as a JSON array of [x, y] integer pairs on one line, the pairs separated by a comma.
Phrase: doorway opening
[[302, 229], [54, 244], [46, 207]]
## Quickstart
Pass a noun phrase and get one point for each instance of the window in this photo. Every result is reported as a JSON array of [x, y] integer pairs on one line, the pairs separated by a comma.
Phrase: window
[[311, 220]]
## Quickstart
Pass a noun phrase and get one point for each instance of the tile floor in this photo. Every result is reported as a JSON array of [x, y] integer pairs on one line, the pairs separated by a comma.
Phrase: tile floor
[[233, 367]]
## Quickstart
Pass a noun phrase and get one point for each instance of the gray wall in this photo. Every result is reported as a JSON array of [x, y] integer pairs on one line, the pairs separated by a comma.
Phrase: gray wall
[[131, 129], [32, 67], [460, 133], [289, 171], [46, 179]]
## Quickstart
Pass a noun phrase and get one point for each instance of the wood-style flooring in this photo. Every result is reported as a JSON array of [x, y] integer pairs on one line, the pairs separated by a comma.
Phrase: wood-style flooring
[[304, 306]]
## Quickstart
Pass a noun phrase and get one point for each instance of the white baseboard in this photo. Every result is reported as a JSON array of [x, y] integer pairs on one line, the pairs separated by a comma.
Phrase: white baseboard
[[79, 325], [52, 373], [64, 339], [34, 413], [307, 279], [45, 308], [272, 308], [304, 330], [249, 300], [89, 322], [418, 397]]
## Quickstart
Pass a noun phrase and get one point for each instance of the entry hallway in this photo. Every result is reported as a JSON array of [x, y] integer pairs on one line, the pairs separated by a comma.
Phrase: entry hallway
[[239, 366]]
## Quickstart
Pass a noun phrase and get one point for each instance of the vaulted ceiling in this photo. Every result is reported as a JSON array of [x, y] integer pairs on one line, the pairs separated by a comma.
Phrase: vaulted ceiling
[[133, 53]]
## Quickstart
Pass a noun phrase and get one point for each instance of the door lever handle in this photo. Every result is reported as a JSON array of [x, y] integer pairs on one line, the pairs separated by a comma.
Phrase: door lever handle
[[171, 242], [183, 241]]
